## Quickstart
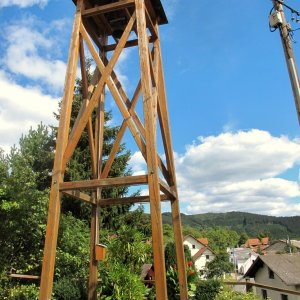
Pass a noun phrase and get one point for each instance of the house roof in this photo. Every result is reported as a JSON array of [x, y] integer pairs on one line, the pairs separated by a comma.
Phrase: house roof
[[145, 269], [203, 241], [242, 253], [201, 251], [254, 243], [285, 266], [280, 244]]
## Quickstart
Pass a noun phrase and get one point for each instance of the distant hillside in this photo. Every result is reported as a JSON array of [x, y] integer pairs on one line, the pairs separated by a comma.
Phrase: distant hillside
[[252, 224]]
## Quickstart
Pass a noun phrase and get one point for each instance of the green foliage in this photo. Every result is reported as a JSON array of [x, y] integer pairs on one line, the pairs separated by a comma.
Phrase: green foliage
[[127, 251], [72, 259], [252, 224], [66, 288], [228, 294], [207, 289], [121, 284], [137, 219], [170, 255], [168, 233], [172, 272], [23, 205], [243, 238], [218, 266], [193, 231], [24, 292], [130, 248], [173, 282], [221, 238], [79, 167]]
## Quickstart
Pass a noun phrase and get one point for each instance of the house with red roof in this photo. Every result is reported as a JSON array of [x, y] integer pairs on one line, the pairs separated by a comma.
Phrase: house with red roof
[[200, 251], [257, 245]]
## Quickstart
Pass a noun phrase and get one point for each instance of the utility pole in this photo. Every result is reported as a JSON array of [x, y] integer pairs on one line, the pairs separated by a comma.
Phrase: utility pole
[[278, 20]]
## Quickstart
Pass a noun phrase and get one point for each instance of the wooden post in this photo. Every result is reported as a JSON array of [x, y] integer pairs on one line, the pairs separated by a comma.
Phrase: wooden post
[[248, 286], [151, 150], [62, 137]]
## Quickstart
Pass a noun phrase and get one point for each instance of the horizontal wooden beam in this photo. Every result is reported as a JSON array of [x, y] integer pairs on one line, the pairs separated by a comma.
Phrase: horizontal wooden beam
[[21, 276], [267, 287], [128, 200], [128, 44], [80, 196], [103, 183], [167, 190], [107, 8]]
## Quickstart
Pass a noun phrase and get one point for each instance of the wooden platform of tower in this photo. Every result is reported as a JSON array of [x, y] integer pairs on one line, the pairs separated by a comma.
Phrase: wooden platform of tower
[[127, 23]]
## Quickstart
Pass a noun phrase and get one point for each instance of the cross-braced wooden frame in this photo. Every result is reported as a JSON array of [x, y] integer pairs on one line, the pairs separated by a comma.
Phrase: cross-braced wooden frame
[[141, 17]]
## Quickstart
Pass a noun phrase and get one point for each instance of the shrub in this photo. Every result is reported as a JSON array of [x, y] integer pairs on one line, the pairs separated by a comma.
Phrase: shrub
[[120, 284], [207, 290], [232, 295], [66, 289], [24, 292], [173, 282]]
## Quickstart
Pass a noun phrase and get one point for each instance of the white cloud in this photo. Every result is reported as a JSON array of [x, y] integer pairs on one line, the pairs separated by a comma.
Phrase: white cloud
[[137, 163], [232, 157], [23, 3], [21, 108], [33, 53], [237, 172]]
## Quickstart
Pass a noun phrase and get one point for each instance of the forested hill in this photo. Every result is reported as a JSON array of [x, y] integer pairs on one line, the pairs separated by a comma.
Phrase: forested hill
[[252, 224]]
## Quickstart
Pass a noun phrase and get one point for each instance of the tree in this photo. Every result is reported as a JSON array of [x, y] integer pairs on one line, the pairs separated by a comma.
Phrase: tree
[[25, 176], [22, 207], [221, 238], [22, 213], [71, 259], [219, 266], [79, 166], [243, 238]]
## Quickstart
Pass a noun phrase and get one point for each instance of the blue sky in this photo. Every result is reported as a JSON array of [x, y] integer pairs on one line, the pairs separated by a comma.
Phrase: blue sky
[[234, 125]]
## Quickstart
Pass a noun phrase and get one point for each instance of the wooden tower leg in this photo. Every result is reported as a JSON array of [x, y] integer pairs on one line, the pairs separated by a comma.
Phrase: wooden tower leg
[[62, 137], [151, 153], [93, 273]]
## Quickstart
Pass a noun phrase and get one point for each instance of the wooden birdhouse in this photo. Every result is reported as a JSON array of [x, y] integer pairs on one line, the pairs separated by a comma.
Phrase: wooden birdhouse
[[100, 252]]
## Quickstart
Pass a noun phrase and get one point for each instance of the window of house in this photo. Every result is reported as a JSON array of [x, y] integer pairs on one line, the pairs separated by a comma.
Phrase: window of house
[[264, 294], [284, 297], [193, 246], [207, 256], [271, 274]]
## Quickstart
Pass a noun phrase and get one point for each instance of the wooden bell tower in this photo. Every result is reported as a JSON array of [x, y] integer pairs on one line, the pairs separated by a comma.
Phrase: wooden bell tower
[[106, 27]]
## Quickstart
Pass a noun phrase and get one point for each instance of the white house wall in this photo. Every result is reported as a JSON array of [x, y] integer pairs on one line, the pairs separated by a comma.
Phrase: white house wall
[[193, 245], [201, 261]]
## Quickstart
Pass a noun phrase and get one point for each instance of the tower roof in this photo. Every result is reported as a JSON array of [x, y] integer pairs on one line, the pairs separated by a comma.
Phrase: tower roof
[[157, 7]]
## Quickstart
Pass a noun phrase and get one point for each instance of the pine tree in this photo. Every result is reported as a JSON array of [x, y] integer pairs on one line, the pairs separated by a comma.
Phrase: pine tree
[[79, 167]]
